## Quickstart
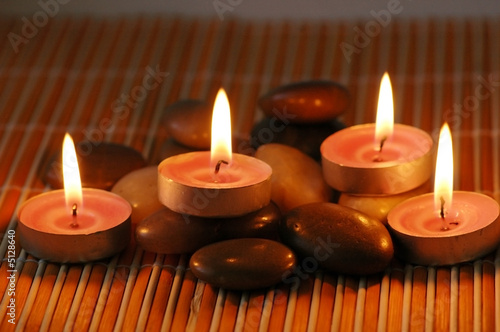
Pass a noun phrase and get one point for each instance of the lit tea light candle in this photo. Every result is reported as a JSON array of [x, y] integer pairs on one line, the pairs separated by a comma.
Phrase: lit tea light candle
[[378, 158], [445, 227], [74, 225], [215, 183]]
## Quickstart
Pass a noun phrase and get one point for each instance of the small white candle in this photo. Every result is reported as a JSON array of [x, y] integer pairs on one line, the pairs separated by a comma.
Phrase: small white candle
[[446, 227], [215, 183], [378, 158], [74, 224]]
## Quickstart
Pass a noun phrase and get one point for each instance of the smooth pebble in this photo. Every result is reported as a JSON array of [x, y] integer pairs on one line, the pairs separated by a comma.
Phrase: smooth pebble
[[169, 232], [140, 189], [306, 102], [297, 179], [243, 264], [101, 164], [304, 137], [189, 122], [337, 238]]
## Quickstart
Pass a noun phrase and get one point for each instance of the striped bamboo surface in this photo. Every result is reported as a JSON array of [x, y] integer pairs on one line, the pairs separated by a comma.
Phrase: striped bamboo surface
[[70, 73]]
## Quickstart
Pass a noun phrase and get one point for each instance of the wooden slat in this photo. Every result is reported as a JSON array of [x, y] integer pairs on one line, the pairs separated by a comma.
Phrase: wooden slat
[[69, 76]]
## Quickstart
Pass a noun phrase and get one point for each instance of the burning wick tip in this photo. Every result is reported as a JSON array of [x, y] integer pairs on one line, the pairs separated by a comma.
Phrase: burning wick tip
[[74, 213], [217, 167]]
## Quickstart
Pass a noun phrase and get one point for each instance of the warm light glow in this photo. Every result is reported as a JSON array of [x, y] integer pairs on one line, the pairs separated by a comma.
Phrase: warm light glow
[[384, 123], [221, 130], [443, 181], [71, 175]]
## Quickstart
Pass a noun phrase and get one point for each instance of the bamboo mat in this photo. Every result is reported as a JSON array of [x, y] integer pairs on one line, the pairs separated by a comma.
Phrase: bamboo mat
[[69, 74]]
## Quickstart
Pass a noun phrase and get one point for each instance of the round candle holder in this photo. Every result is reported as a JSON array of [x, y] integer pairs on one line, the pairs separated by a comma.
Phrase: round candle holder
[[188, 185], [352, 164], [45, 230], [420, 238]]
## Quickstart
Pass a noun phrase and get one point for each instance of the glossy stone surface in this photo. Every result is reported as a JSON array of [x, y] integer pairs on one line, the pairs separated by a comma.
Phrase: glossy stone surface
[[306, 102], [140, 189], [304, 137], [169, 232], [339, 239], [296, 180], [243, 264], [189, 122], [101, 164], [171, 148]]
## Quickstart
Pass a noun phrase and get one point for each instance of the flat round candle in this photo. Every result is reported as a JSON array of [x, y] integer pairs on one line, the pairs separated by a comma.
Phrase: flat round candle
[[352, 161], [48, 230], [470, 229], [188, 184]]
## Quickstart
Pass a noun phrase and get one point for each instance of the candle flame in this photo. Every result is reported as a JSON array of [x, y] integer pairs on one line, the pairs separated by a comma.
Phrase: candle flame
[[384, 124], [221, 149], [443, 181], [71, 176]]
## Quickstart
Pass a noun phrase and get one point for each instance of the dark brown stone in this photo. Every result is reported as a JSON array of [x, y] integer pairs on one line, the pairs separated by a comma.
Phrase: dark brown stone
[[171, 148], [101, 165], [305, 102], [189, 122], [168, 232], [338, 238], [305, 137], [243, 264]]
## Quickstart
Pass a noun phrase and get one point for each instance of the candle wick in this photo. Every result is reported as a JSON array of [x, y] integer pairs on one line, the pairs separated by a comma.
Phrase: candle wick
[[74, 213], [378, 156], [217, 167], [382, 143], [441, 214]]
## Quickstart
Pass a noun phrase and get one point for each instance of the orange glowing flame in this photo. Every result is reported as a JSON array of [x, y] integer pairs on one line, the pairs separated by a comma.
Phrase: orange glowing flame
[[443, 181], [221, 149], [71, 175], [384, 124]]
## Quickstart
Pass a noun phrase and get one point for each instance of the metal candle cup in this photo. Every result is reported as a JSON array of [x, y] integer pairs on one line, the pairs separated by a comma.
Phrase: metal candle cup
[[445, 227], [419, 237], [351, 163], [187, 184], [215, 183], [45, 227]]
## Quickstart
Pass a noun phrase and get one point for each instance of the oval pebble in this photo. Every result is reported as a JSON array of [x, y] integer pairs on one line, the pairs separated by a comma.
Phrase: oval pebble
[[337, 238], [189, 122], [101, 164], [306, 102], [168, 232], [296, 179], [140, 189], [243, 264]]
